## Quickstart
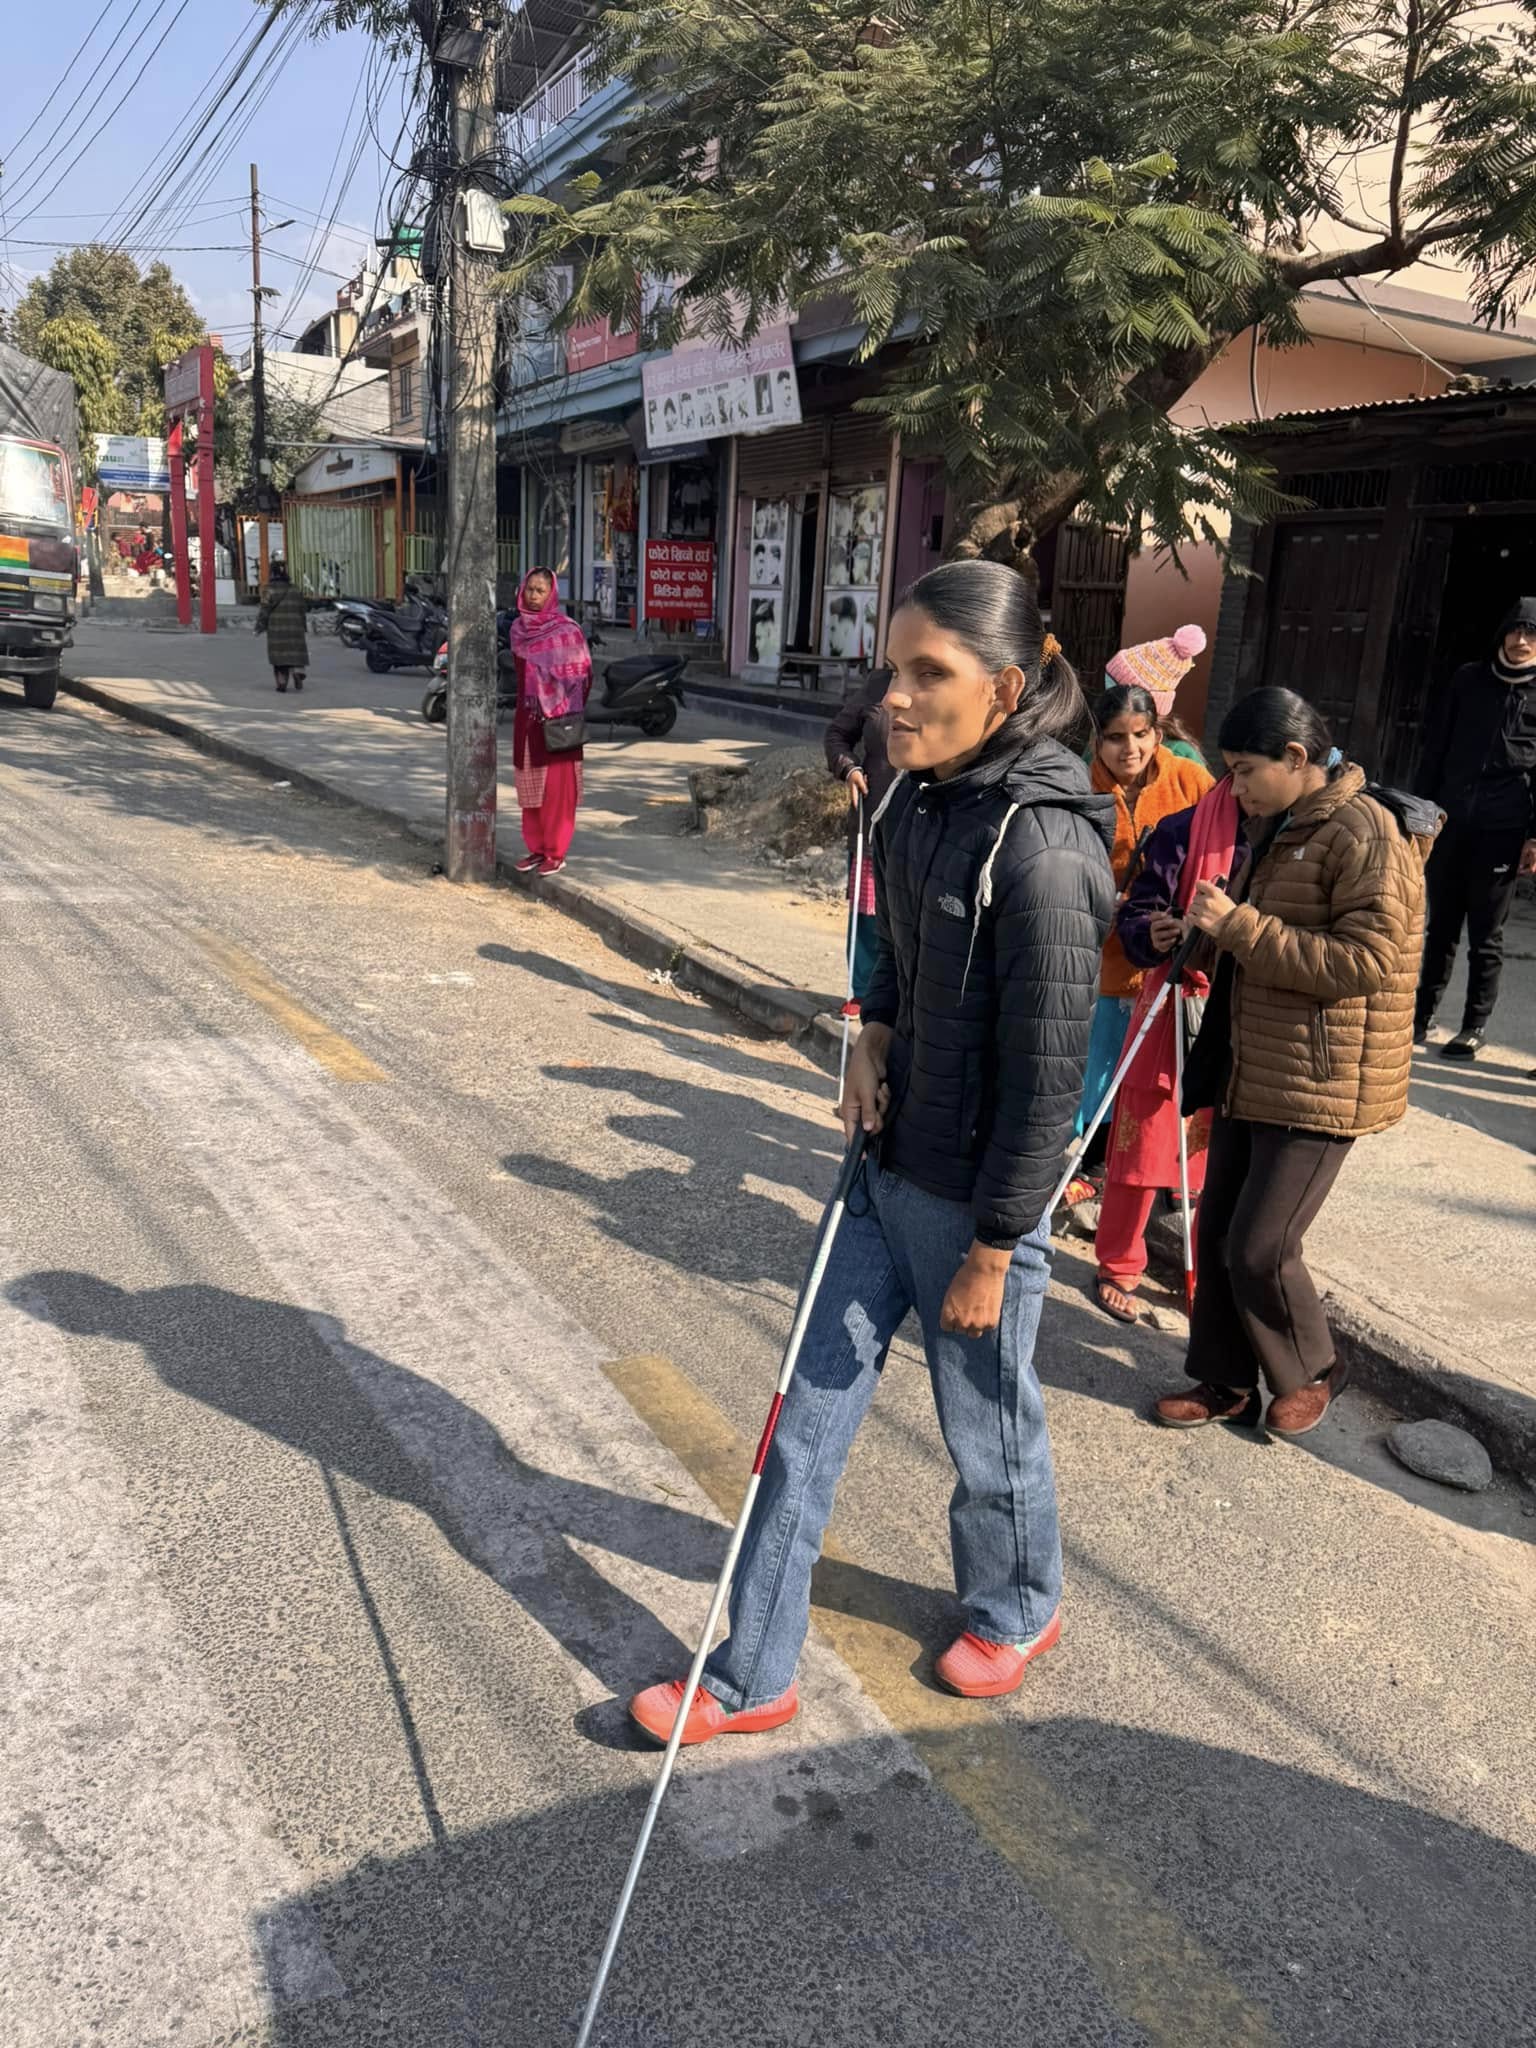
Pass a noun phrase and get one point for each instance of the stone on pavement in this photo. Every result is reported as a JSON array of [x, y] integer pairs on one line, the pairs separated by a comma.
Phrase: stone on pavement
[[1441, 1451]]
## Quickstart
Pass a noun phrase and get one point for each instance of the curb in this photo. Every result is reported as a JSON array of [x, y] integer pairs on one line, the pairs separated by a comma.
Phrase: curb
[[1383, 1357]]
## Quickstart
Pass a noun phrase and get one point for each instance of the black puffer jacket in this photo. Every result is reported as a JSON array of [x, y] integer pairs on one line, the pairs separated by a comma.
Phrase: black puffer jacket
[[994, 895]]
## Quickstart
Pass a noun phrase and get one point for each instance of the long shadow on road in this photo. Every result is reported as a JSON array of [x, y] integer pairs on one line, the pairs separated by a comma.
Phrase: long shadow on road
[[1340, 1917]]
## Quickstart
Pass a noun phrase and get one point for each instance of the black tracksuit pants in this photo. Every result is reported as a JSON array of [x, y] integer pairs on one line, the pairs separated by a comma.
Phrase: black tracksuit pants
[[1470, 881]]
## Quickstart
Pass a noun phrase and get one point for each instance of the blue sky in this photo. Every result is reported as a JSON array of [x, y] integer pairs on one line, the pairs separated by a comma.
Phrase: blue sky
[[324, 97]]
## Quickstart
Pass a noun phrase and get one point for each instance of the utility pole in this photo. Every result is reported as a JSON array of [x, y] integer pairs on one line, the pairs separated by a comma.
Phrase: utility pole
[[258, 386], [468, 436]]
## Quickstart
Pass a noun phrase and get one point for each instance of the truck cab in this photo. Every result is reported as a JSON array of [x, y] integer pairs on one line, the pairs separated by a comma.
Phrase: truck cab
[[39, 564]]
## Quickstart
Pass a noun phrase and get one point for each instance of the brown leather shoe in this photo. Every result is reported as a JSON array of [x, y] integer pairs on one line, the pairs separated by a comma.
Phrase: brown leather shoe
[[1294, 1414], [1193, 1407]]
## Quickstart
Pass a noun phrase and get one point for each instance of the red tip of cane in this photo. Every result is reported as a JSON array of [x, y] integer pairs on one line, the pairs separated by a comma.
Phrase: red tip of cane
[[767, 1437], [1189, 1294]]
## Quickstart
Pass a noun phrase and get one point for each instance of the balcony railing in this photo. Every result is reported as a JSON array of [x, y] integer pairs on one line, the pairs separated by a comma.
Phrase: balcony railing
[[557, 101]]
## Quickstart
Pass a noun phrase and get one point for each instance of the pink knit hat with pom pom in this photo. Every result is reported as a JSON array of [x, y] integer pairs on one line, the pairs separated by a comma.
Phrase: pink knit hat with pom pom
[[1158, 666]]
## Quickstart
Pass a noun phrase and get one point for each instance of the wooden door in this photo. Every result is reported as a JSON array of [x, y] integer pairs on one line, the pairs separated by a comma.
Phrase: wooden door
[[1411, 663], [1319, 600], [1088, 598]]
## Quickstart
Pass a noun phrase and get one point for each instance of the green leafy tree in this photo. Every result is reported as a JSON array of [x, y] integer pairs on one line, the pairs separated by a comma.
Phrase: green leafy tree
[[146, 317], [293, 428], [83, 352], [1050, 217]]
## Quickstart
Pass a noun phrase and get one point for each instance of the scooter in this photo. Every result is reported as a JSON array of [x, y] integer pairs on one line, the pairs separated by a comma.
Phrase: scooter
[[434, 705], [406, 638], [644, 690], [353, 613]]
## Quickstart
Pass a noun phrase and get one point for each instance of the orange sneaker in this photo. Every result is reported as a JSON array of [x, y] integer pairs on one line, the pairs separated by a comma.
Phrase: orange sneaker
[[980, 1670], [655, 1710]]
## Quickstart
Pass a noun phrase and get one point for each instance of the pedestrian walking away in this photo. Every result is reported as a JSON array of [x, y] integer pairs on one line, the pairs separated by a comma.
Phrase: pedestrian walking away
[[1193, 846], [1479, 765], [1306, 1046], [993, 898], [856, 751], [284, 618], [1158, 667], [1146, 783], [554, 675]]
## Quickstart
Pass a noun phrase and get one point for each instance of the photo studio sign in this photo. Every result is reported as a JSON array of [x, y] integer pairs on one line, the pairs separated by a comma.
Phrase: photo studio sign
[[697, 394]]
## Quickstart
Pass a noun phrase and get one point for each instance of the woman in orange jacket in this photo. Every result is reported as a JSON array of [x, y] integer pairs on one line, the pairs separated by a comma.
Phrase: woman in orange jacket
[[1148, 783]]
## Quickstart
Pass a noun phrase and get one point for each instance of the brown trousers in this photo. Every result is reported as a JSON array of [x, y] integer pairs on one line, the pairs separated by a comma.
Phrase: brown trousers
[[1256, 1309]]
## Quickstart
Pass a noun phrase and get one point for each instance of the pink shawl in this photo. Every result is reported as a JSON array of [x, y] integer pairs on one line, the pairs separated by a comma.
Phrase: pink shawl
[[554, 666]]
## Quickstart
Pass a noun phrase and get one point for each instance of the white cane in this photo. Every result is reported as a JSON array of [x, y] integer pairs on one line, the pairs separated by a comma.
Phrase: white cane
[[853, 1159], [1127, 1060], [853, 932], [1178, 1104]]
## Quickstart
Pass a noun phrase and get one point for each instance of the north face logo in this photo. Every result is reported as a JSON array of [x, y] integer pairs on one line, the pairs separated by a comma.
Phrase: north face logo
[[952, 906]]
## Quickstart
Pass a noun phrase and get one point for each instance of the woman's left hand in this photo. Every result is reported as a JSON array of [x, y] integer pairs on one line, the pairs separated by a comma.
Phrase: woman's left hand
[[974, 1303], [1211, 907]]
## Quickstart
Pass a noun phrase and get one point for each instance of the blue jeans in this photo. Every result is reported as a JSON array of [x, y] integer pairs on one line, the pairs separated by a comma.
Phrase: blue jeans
[[899, 1253]]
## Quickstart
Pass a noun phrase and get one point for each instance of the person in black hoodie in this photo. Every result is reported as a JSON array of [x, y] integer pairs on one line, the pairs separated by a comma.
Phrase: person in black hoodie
[[995, 893], [1479, 766]]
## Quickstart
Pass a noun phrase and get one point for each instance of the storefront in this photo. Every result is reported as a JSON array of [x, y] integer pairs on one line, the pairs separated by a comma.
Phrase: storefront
[[343, 521], [812, 528], [550, 482], [682, 506]]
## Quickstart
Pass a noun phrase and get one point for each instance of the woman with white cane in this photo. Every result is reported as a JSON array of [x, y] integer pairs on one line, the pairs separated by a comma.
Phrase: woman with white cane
[[1307, 1045], [994, 893], [1151, 1145]]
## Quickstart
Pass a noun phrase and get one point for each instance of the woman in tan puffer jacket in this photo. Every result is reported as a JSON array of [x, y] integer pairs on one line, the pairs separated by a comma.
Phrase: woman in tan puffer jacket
[[1307, 1046]]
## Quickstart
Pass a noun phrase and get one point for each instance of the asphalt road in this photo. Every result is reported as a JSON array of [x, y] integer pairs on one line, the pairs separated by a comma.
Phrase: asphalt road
[[391, 1280]]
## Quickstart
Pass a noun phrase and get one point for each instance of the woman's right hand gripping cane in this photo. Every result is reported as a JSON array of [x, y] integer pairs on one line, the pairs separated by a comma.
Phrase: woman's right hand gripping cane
[[866, 1094]]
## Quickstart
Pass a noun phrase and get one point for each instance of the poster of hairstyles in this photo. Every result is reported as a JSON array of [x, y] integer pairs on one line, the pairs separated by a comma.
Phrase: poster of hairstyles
[[765, 627]]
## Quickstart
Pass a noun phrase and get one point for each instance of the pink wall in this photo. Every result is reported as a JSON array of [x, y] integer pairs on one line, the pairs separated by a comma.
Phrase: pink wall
[[1158, 599]]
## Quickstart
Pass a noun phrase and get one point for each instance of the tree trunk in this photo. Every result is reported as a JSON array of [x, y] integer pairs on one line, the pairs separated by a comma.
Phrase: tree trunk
[[994, 524]]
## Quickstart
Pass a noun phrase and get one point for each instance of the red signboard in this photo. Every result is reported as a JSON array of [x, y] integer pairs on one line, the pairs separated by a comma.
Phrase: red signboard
[[593, 341], [680, 579]]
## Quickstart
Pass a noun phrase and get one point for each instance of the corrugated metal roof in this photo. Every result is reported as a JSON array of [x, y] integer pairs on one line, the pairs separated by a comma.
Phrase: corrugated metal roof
[[1437, 401]]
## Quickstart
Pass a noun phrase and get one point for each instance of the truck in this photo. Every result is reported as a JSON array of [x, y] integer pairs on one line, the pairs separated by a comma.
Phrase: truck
[[39, 544]]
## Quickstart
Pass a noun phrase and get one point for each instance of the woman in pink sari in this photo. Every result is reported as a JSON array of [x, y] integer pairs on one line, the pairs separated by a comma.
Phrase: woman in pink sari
[[1191, 846], [554, 674]]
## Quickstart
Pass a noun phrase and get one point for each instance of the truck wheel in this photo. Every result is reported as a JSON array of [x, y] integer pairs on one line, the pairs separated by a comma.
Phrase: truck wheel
[[41, 690]]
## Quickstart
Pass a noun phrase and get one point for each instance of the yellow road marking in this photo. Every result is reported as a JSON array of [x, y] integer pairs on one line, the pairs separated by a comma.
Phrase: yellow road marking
[[338, 1055], [1153, 1969]]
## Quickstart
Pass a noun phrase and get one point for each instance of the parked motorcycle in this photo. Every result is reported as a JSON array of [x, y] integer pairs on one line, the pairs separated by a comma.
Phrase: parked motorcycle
[[407, 637], [353, 613], [643, 690]]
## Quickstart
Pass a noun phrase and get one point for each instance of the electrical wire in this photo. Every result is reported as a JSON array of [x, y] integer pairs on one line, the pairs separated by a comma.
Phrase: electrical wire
[[38, 169], [320, 234], [62, 80], [165, 220], [123, 220]]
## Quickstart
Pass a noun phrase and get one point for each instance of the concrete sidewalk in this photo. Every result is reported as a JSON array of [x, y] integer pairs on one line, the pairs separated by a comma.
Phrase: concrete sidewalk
[[1426, 1247]]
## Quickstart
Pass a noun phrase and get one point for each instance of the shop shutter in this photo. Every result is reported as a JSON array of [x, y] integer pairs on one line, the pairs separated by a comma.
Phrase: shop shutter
[[777, 465], [861, 449]]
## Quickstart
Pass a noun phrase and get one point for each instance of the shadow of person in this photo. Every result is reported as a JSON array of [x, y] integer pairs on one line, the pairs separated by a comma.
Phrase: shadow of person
[[294, 1375], [1305, 1909], [691, 1031], [707, 1220]]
